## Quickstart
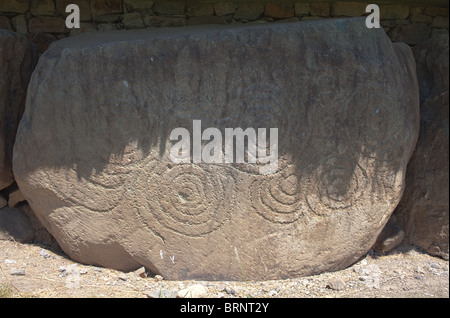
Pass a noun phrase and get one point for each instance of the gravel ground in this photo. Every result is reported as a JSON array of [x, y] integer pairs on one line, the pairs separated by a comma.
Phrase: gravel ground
[[28, 270]]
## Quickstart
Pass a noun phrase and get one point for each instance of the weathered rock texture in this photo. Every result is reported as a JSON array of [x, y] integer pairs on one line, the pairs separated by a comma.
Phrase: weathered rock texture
[[18, 57], [424, 209], [101, 108]]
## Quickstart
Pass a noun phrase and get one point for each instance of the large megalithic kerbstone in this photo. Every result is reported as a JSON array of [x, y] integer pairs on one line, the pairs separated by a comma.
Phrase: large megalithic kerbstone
[[92, 154]]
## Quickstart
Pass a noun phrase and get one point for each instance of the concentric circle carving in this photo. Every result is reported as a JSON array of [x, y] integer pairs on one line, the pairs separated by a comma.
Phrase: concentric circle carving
[[188, 199], [335, 185], [277, 198]]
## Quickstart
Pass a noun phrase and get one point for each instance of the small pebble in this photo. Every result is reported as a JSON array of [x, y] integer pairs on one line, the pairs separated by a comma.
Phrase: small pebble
[[123, 276], [193, 291], [63, 271], [141, 272], [44, 254], [229, 290], [336, 284], [17, 272]]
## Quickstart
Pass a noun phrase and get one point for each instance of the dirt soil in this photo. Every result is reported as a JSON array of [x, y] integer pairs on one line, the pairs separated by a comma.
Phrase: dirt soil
[[30, 270]]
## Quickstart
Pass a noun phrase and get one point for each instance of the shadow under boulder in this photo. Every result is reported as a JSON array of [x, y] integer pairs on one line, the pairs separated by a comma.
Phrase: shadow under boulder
[[15, 225]]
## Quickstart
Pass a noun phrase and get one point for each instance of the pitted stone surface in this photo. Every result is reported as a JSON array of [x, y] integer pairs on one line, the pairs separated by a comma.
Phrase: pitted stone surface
[[102, 107]]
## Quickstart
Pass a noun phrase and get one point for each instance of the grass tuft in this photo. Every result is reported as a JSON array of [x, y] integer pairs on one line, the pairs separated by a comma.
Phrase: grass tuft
[[5, 291]]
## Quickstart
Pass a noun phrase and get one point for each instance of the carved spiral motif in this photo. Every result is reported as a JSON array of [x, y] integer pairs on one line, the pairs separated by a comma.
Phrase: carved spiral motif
[[276, 198], [335, 185], [191, 200], [99, 191]]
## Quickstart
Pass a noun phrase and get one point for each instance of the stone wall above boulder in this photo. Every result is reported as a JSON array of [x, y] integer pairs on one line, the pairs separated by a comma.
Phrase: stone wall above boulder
[[403, 21]]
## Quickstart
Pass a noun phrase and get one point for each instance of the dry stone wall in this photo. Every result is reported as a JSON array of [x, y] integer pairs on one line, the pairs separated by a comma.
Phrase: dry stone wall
[[43, 21]]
